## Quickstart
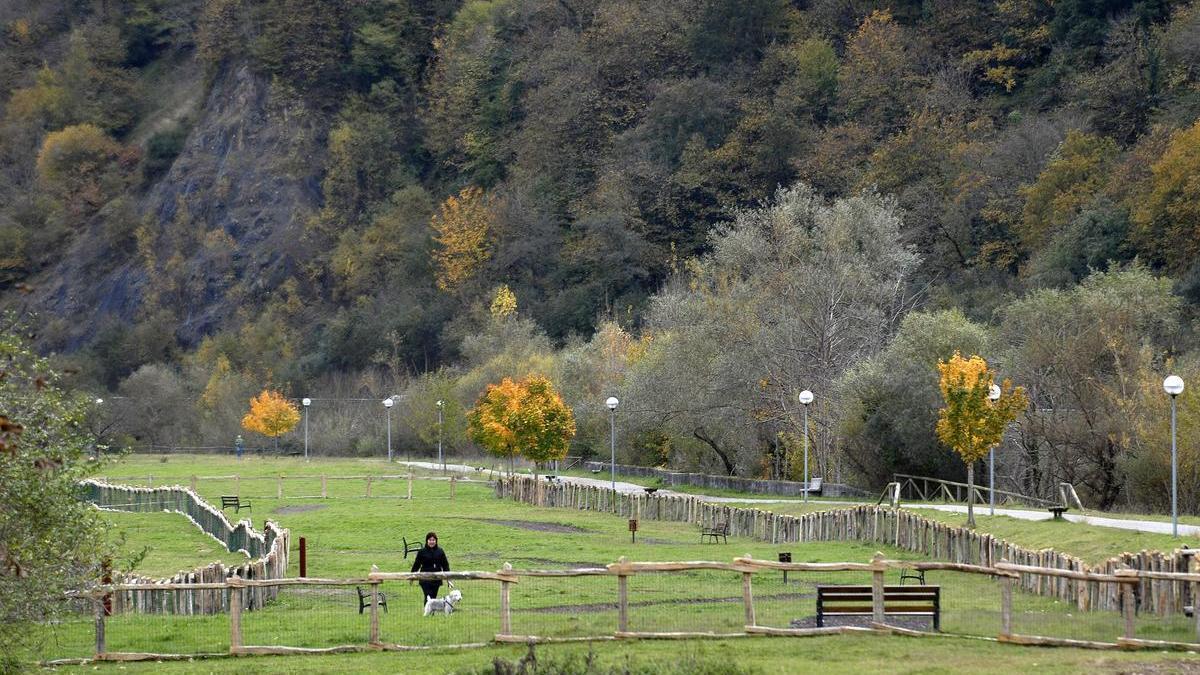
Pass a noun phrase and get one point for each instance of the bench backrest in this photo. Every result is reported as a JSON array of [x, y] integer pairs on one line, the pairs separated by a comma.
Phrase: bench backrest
[[893, 596], [229, 501]]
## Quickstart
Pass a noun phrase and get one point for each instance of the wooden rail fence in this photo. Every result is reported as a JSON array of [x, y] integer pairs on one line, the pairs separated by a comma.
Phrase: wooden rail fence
[[240, 590], [906, 530], [268, 553]]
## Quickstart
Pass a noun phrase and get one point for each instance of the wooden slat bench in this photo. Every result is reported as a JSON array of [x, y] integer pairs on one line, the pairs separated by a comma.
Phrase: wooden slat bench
[[717, 530], [228, 501], [897, 601]]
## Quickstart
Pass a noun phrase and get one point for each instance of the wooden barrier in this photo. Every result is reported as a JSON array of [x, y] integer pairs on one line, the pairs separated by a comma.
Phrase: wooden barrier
[[1008, 574], [267, 552], [899, 528]]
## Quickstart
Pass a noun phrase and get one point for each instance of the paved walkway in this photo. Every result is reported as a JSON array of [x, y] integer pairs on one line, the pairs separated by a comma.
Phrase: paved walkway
[[1154, 526]]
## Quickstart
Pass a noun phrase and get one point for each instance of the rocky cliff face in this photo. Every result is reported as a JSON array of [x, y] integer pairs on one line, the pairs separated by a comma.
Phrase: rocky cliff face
[[256, 157]]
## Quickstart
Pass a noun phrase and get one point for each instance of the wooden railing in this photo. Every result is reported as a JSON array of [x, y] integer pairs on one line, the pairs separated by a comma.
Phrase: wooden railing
[[899, 528], [1007, 574]]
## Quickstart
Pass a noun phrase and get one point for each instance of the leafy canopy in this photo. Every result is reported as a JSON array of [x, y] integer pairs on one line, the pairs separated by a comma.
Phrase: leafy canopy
[[271, 414], [970, 423], [526, 417]]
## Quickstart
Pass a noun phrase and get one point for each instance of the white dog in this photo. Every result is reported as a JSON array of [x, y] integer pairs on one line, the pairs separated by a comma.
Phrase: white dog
[[444, 605]]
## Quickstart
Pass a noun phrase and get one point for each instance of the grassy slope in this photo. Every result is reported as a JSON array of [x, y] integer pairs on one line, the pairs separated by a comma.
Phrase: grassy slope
[[171, 541]]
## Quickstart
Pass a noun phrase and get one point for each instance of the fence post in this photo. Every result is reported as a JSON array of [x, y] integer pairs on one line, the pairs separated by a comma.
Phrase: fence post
[[1006, 589], [279, 487], [410, 486], [368, 487], [748, 597], [505, 614], [193, 483], [452, 483], [235, 615], [374, 639], [877, 587], [237, 485], [622, 598], [1127, 603], [100, 648], [324, 492]]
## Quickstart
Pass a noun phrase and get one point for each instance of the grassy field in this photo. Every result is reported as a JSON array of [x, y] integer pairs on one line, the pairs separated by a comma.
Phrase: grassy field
[[348, 533]]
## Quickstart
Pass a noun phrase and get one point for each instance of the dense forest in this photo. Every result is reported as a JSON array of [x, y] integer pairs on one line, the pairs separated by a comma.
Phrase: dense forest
[[699, 206]]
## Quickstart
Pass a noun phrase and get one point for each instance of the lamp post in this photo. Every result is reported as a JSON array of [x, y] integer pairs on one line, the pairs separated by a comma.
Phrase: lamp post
[[612, 419], [805, 397], [993, 396], [1173, 385], [307, 402], [441, 459], [387, 404]]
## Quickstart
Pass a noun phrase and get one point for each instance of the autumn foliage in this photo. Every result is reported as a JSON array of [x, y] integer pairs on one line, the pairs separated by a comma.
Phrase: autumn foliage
[[970, 423], [271, 415], [461, 228], [526, 418]]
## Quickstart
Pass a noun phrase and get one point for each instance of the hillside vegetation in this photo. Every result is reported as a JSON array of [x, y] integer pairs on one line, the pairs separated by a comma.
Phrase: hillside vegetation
[[701, 206]]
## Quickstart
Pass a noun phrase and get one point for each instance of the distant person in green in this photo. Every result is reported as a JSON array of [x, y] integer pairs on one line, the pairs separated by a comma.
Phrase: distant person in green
[[430, 559]]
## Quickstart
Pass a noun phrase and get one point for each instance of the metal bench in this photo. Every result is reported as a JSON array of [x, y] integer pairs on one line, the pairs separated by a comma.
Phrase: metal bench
[[410, 546], [364, 600], [1058, 511], [897, 601], [718, 530], [228, 501]]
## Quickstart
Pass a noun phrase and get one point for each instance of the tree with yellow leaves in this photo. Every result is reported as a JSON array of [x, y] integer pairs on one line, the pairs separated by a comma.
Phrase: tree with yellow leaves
[[461, 228], [527, 418], [971, 423], [271, 415]]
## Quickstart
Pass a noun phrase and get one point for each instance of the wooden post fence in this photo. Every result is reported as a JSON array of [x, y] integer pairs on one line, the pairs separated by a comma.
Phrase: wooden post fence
[[505, 613], [622, 599], [235, 616], [99, 602], [279, 487], [1006, 599], [410, 486], [324, 488], [368, 487], [877, 588], [748, 597]]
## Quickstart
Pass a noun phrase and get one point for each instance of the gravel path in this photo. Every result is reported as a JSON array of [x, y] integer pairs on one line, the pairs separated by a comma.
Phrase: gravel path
[[1154, 526]]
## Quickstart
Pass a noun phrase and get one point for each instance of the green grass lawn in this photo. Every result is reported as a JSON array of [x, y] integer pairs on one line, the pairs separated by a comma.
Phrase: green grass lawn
[[172, 543], [841, 654], [348, 534]]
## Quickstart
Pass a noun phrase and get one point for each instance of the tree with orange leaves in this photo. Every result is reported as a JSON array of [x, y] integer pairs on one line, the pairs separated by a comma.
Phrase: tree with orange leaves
[[971, 423], [527, 418], [461, 229], [271, 415]]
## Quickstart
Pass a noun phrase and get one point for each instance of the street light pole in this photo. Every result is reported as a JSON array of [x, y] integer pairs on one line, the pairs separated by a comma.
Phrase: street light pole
[[993, 396], [612, 419], [387, 404], [806, 397], [441, 459], [1173, 385], [307, 402]]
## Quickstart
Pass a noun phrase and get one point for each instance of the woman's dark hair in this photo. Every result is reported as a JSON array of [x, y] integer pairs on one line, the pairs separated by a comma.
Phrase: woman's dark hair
[[431, 534]]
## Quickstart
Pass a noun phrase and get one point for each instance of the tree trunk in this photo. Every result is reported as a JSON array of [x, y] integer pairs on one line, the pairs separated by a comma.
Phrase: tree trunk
[[700, 434], [971, 495]]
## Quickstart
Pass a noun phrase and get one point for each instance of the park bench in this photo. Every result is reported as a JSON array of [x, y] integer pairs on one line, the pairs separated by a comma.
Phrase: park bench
[[717, 530], [364, 599], [235, 502], [897, 601], [1058, 511], [916, 575], [650, 490], [411, 546]]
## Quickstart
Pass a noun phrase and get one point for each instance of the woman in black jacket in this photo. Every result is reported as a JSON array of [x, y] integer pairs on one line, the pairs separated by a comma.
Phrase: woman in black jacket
[[430, 559]]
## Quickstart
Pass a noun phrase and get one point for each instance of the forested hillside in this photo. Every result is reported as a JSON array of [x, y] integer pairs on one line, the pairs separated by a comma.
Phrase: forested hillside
[[701, 206]]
